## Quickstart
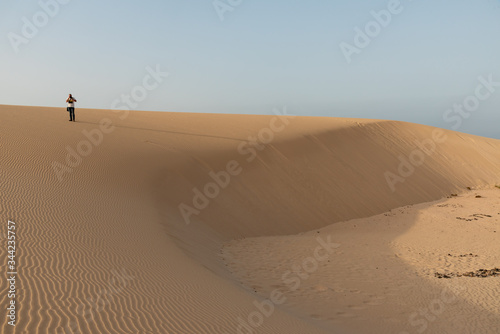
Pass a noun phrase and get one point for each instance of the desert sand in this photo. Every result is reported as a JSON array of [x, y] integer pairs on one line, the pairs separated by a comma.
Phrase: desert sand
[[149, 222]]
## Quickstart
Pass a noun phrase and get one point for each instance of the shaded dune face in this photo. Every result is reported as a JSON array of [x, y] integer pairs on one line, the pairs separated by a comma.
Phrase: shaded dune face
[[116, 213], [311, 179]]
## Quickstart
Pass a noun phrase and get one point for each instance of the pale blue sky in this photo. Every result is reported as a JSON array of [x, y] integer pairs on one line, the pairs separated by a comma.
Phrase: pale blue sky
[[265, 54]]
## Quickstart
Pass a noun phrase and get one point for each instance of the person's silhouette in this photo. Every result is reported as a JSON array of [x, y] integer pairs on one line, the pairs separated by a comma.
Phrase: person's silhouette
[[71, 107]]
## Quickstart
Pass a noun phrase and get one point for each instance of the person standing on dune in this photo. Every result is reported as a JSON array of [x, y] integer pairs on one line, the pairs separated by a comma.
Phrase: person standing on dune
[[71, 107]]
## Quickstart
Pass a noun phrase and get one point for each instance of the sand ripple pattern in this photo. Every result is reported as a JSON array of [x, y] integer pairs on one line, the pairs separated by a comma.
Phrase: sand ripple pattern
[[94, 254]]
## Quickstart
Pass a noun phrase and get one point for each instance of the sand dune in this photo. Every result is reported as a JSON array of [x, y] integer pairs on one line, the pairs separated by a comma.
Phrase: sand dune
[[148, 222]]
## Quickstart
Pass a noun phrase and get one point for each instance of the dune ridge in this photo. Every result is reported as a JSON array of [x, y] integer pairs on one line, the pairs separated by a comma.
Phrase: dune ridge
[[111, 232]]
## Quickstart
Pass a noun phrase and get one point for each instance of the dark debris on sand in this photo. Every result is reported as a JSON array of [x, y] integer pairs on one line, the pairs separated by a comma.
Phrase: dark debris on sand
[[478, 273], [464, 255]]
